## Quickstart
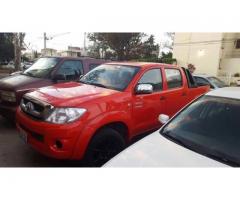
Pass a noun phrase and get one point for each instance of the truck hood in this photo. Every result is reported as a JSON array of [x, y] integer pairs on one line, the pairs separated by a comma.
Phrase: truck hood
[[157, 151], [70, 94], [18, 81]]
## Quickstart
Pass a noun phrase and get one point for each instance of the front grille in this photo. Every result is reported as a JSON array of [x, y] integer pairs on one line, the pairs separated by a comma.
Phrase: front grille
[[35, 135], [35, 108]]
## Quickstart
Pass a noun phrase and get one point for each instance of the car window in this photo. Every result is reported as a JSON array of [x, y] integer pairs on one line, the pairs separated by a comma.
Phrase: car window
[[71, 69], [201, 81], [153, 77], [174, 78], [210, 125], [92, 66]]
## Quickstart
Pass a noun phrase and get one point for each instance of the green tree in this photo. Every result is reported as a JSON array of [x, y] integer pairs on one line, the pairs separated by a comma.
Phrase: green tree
[[18, 40], [168, 44], [167, 58], [125, 46], [6, 47]]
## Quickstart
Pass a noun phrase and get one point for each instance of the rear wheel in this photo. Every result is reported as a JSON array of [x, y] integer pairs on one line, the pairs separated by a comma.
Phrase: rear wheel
[[104, 145]]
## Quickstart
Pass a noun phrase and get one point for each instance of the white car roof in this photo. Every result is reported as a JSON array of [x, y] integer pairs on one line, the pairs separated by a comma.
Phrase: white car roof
[[228, 92]]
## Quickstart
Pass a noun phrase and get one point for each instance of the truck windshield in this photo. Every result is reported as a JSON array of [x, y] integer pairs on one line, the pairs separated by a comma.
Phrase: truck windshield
[[209, 126], [42, 68], [115, 77]]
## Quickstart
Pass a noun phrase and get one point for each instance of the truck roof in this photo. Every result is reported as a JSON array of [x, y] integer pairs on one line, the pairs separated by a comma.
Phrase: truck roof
[[143, 64], [73, 58], [227, 92]]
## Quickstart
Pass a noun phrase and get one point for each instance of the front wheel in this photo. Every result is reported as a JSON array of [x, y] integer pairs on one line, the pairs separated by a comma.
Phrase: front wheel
[[105, 144]]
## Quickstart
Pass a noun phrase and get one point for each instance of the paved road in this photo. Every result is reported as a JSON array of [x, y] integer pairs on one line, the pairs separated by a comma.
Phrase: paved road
[[14, 153]]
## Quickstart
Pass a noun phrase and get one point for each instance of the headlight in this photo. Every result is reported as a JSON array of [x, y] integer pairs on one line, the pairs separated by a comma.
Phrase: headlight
[[8, 96], [65, 115]]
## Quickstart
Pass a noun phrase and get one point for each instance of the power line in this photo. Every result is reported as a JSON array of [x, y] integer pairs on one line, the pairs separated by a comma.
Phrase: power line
[[206, 42]]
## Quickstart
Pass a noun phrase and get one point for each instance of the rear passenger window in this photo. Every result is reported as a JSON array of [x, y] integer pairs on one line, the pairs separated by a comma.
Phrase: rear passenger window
[[153, 77], [92, 66], [174, 78], [71, 69]]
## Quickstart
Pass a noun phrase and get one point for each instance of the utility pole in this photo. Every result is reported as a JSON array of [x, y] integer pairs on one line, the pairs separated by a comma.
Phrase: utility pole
[[45, 40], [84, 44]]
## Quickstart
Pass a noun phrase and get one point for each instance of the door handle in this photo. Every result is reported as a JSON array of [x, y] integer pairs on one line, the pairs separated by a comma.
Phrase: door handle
[[162, 98]]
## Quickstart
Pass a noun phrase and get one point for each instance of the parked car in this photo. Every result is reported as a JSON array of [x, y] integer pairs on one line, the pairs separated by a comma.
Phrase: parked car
[[44, 72], [203, 134], [214, 82], [97, 117]]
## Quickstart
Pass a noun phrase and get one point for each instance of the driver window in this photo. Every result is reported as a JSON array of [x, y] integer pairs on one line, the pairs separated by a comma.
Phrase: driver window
[[153, 77], [71, 69]]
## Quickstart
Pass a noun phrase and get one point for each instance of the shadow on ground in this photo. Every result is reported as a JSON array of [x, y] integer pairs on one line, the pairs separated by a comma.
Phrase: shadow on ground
[[14, 153]]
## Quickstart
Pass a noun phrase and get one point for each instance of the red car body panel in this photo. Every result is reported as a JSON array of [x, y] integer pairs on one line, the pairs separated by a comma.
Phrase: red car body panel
[[138, 113]]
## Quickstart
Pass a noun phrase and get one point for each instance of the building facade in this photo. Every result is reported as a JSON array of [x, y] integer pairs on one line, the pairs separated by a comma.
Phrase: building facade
[[216, 54]]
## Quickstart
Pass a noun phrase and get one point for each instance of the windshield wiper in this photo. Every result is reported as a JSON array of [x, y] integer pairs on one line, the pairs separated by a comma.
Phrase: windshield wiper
[[95, 84], [176, 140], [28, 74], [216, 155], [98, 84], [222, 158]]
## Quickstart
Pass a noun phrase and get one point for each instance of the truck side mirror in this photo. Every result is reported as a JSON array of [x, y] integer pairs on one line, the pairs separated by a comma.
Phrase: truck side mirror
[[144, 89], [163, 118]]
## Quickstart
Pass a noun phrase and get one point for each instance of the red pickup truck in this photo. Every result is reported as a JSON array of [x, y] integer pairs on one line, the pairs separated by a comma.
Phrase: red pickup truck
[[98, 116]]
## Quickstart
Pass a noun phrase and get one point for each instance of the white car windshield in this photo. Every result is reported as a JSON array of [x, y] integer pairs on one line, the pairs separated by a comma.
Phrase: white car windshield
[[209, 126]]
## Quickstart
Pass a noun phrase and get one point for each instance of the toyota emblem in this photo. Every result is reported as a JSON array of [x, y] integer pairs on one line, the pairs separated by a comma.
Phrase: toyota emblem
[[29, 107]]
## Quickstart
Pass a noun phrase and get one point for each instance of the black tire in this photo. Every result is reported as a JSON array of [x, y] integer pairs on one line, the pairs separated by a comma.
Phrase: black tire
[[104, 145]]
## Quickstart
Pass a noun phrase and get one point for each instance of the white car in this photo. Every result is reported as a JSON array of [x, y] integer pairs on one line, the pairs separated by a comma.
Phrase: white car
[[203, 134]]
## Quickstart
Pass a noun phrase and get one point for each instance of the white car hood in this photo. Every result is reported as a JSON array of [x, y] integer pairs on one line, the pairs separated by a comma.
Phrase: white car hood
[[157, 151]]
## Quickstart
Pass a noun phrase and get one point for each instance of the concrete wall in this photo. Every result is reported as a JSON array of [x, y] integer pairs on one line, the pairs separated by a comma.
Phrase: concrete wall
[[231, 65], [200, 50]]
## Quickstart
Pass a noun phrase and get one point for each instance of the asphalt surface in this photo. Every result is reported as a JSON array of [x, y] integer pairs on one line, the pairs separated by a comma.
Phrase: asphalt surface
[[14, 153]]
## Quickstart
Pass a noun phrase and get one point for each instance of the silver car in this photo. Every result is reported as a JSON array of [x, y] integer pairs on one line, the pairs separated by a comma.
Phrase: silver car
[[214, 82]]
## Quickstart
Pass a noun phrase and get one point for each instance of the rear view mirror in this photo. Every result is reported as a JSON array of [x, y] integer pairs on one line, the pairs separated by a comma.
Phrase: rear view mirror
[[80, 76], [144, 89], [163, 118]]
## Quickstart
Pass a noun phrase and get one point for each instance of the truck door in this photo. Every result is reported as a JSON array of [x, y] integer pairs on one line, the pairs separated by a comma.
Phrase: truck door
[[147, 107], [176, 93]]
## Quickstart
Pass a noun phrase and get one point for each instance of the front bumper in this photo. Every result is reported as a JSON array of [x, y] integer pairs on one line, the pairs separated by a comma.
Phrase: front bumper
[[52, 140]]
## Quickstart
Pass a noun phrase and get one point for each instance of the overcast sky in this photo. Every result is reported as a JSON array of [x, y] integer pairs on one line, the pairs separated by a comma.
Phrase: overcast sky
[[63, 40]]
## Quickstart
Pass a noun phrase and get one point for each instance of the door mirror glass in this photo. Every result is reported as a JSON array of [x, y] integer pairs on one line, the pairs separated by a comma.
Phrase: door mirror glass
[[144, 89], [163, 118]]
